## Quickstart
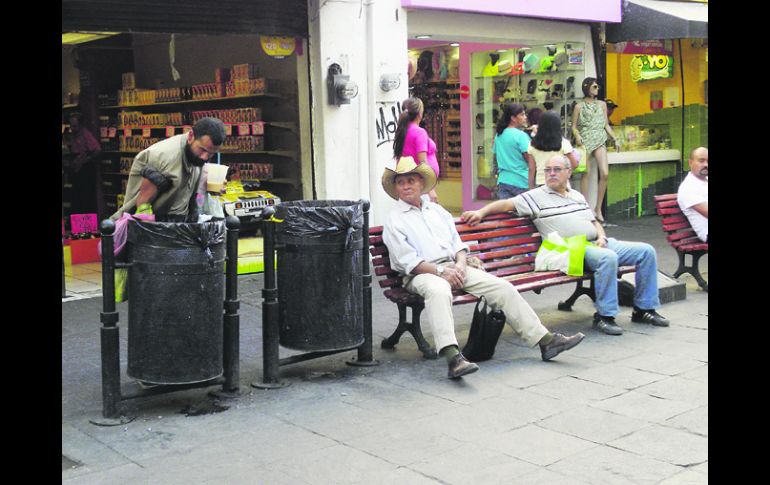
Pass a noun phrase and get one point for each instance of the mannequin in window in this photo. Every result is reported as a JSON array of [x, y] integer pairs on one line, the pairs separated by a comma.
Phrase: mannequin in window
[[591, 127]]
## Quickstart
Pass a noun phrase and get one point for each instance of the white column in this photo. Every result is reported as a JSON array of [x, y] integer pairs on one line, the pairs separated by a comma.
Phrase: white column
[[351, 146]]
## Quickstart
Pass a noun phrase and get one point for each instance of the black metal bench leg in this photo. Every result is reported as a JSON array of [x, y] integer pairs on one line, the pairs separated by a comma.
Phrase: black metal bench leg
[[695, 272], [682, 267], [402, 327], [580, 290], [415, 329]]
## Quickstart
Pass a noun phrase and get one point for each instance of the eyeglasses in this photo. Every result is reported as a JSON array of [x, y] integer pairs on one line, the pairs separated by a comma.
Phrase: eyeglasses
[[553, 169], [594, 85]]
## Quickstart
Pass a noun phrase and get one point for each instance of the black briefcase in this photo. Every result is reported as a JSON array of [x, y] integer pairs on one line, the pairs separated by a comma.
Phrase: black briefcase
[[485, 331]]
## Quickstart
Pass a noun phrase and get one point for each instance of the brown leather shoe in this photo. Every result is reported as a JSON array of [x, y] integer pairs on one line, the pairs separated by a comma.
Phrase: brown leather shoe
[[559, 344], [460, 366]]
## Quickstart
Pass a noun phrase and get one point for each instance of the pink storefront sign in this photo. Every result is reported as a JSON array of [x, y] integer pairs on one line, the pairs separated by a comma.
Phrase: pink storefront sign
[[582, 11]]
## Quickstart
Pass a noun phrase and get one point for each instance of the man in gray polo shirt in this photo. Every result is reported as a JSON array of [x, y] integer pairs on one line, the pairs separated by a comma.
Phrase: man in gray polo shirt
[[555, 207]]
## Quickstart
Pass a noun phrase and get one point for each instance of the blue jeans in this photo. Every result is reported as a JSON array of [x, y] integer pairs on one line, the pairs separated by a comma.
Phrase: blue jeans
[[506, 191], [604, 263]]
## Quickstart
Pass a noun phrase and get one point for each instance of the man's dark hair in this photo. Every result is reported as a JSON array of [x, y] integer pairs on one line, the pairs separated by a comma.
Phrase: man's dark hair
[[212, 127]]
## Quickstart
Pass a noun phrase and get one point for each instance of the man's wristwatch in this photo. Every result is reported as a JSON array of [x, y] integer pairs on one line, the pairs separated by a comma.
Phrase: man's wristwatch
[[439, 270]]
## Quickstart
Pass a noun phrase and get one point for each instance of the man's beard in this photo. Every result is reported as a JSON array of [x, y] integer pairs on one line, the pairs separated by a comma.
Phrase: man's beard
[[190, 156]]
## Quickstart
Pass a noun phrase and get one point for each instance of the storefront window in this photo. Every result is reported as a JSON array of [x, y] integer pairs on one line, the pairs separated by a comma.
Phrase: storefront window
[[434, 78], [544, 76]]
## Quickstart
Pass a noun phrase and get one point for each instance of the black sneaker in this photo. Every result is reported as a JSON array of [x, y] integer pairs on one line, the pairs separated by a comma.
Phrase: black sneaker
[[649, 316], [607, 325]]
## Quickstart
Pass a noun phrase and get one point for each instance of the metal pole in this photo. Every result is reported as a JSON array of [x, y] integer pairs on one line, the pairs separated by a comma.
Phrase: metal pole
[[232, 319], [271, 366], [110, 343], [365, 357]]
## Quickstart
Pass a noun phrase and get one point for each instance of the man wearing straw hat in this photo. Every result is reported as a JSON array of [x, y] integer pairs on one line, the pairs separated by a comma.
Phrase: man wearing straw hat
[[425, 247]]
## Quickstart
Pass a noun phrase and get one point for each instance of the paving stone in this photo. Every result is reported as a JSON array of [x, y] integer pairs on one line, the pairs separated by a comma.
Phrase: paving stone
[[685, 390], [695, 421], [593, 424], [128, 474], [700, 374], [323, 466], [576, 390], [639, 405], [544, 476], [687, 478], [611, 466], [619, 376], [407, 444], [471, 463], [537, 445], [669, 365], [664, 444]]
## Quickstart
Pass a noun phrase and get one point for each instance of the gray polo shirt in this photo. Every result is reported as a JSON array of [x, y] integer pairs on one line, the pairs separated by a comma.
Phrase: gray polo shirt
[[568, 214]]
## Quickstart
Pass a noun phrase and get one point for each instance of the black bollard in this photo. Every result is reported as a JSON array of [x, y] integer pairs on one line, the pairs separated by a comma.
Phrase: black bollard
[[365, 356], [110, 343], [231, 319], [271, 366]]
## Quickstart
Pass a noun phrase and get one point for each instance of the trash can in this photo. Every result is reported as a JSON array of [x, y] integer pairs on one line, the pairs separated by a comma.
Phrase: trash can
[[319, 272], [175, 301]]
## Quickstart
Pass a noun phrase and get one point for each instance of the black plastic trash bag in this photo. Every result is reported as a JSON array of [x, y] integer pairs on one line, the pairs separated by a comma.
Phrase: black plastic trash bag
[[320, 219], [175, 235]]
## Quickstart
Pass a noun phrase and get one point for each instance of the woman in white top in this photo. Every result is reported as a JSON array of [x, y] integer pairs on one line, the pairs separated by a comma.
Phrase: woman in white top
[[550, 141]]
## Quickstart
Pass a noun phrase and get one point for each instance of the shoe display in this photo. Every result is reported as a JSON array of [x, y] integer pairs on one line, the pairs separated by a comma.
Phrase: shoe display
[[460, 366], [607, 325], [559, 344], [649, 316]]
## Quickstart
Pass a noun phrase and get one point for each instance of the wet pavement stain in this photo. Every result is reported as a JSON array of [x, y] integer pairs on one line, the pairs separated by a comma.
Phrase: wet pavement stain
[[201, 408]]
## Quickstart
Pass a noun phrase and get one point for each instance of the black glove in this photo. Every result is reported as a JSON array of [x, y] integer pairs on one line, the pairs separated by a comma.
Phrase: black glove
[[157, 178]]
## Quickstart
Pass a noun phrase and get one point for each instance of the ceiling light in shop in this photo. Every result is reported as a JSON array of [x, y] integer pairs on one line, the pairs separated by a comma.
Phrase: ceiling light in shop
[[423, 36], [70, 38], [455, 44]]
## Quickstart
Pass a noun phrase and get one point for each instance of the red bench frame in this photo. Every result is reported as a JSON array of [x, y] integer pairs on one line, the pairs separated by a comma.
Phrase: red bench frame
[[681, 236], [505, 243]]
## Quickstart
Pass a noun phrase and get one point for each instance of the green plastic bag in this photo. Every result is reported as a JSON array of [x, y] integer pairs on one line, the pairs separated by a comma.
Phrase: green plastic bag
[[121, 285], [565, 255]]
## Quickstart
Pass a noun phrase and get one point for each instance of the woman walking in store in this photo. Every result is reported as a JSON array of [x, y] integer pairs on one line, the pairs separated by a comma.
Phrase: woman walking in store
[[591, 127], [515, 167], [550, 141], [413, 141]]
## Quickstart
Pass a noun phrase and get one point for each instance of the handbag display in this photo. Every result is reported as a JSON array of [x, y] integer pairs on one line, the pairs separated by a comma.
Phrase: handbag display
[[485, 331]]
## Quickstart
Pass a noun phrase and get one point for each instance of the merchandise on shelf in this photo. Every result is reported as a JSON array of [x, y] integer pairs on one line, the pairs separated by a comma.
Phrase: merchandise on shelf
[[242, 144], [240, 115], [251, 171], [136, 143]]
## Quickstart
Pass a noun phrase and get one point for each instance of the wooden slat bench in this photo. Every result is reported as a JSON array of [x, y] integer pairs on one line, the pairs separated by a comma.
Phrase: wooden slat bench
[[682, 237], [505, 243]]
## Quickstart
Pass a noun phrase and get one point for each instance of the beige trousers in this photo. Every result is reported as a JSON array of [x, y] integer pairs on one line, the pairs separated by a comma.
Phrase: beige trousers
[[500, 294]]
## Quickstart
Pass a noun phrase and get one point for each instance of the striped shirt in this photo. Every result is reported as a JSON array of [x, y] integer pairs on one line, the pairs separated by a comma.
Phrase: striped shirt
[[567, 214]]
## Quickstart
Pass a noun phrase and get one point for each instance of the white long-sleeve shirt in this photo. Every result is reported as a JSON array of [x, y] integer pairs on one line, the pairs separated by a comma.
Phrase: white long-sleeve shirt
[[414, 234]]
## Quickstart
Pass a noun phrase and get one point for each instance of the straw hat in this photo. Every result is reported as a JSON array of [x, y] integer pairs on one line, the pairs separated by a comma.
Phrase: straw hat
[[407, 165]]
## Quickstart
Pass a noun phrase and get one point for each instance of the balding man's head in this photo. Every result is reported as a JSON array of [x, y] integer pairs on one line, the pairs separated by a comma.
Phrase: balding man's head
[[699, 162]]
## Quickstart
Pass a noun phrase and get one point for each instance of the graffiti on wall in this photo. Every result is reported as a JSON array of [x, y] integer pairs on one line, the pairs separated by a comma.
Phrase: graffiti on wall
[[387, 121]]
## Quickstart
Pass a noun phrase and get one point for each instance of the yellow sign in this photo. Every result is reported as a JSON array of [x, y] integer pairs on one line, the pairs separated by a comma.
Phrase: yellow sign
[[278, 47], [645, 67]]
